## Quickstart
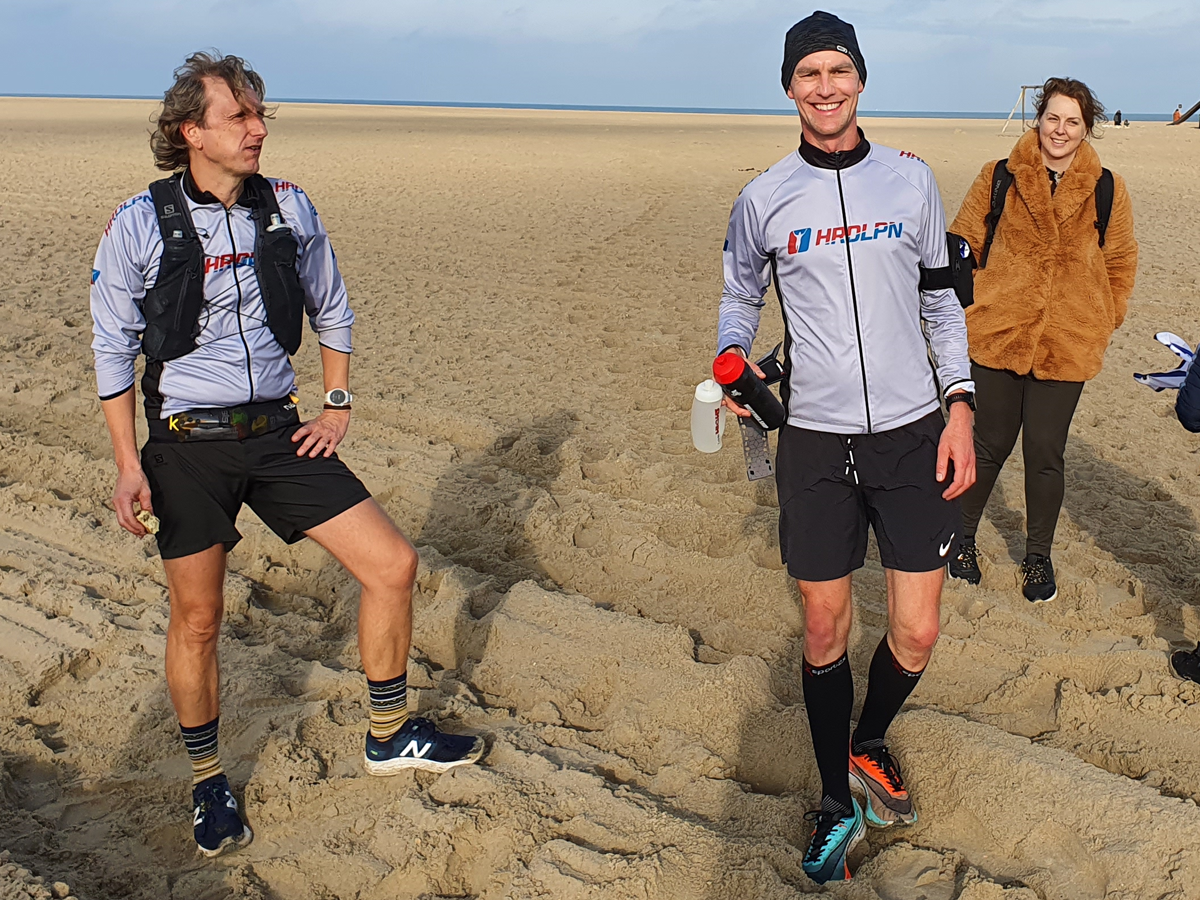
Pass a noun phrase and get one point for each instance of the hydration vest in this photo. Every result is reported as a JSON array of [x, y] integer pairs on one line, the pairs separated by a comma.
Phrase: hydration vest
[[172, 306]]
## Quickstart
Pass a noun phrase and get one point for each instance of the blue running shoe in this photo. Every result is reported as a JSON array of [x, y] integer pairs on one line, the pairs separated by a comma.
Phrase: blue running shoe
[[419, 745], [832, 840], [219, 827]]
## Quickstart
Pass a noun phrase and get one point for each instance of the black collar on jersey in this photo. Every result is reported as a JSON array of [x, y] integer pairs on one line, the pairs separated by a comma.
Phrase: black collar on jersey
[[840, 159], [205, 197]]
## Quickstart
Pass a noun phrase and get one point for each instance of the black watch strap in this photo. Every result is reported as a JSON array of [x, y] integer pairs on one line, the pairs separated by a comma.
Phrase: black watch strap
[[966, 397]]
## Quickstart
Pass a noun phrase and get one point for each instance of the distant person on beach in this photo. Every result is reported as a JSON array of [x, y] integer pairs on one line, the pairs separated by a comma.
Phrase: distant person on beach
[[1051, 290], [841, 226], [1117, 118], [1178, 114], [210, 274]]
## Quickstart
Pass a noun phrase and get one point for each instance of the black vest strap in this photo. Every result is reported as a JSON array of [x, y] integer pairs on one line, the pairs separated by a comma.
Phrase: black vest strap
[[172, 306], [275, 256]]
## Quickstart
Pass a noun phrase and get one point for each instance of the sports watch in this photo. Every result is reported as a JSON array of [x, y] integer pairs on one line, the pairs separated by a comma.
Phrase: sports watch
[[967, 397], [338, 398]]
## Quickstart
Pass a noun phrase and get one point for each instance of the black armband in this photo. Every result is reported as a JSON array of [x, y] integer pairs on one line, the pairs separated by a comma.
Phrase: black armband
[[958, 276]]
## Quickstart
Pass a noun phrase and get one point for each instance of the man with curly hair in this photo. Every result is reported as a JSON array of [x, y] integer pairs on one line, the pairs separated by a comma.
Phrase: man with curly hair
[[210, 273]]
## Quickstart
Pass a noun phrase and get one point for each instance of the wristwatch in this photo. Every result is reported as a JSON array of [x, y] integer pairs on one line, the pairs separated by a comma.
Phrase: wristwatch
[[338, 398], [967, 397]]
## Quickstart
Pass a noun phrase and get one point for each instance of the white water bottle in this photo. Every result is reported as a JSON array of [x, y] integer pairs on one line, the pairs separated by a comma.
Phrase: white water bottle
[[708, 417]]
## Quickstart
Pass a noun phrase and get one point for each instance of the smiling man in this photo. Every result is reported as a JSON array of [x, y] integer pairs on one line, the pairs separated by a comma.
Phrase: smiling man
[[210, 274], [842, 227]]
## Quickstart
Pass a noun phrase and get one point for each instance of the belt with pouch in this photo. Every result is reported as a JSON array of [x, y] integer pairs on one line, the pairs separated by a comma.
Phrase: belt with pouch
[[227, 423]]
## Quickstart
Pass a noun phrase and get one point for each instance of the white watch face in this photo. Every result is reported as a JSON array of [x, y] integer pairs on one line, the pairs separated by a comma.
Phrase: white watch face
[[338, 397]]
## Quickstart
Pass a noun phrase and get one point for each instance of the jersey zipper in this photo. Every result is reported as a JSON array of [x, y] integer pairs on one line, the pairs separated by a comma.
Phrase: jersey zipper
[[862, 361], [238, 284]]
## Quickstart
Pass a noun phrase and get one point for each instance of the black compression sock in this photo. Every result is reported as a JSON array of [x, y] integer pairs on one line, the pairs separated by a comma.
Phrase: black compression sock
[[829, 698], [888, 686]]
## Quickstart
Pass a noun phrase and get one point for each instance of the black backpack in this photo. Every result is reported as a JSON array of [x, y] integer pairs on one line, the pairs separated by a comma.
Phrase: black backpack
[[1002, 180]]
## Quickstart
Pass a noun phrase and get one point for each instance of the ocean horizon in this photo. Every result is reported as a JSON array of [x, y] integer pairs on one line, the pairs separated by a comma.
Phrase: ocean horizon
[[583, 107]]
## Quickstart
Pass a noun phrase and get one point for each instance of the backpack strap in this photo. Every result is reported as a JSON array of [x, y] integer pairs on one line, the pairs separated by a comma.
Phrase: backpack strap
[[263, 203], [1104, 202], [1002, 180], [174, 219]]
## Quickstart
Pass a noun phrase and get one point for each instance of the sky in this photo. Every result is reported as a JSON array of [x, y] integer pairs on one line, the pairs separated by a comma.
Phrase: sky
[[926, 55]]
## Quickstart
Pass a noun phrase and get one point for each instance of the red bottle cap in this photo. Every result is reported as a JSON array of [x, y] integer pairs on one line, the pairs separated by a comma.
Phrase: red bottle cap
[[728, 368]]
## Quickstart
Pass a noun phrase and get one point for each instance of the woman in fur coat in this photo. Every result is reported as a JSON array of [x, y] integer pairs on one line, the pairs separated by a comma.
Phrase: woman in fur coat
[[1046, 305]]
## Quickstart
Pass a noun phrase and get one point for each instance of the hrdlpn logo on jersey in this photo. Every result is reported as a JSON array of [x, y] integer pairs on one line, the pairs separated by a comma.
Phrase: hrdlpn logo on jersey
[[802, 238]]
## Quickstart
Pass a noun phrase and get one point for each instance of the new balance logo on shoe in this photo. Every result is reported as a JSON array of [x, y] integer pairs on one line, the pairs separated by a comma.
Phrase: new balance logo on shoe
[[198, 815], [413, 750]]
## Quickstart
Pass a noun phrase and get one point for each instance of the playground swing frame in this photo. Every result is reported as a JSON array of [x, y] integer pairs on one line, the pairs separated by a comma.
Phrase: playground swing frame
[[1021, 105]]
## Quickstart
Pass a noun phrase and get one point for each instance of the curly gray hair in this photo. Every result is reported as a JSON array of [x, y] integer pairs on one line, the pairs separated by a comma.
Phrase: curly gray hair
[[187, 101]]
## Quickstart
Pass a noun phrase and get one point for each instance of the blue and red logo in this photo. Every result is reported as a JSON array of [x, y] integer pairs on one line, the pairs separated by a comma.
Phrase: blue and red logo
[[802, 238]]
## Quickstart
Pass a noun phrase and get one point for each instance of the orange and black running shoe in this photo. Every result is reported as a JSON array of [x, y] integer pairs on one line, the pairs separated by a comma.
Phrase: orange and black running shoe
[[876, 773]]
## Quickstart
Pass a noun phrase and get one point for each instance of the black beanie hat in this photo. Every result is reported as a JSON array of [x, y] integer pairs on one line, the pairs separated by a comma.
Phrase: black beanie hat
[[820, 31]]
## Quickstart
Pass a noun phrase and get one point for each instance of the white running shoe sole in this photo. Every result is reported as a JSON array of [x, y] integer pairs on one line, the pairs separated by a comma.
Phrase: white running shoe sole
[[230, 844], [400, 764], [1047, 600]]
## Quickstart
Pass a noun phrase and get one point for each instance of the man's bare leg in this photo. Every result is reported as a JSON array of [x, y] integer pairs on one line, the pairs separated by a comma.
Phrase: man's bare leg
[[196, 585], [914, 615], [827, 618], [371, 547]]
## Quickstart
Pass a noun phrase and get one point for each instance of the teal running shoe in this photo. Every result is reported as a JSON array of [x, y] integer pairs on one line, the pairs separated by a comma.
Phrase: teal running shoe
[[833, 837]]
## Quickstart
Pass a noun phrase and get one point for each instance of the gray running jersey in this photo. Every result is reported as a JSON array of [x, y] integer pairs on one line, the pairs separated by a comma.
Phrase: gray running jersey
[[842, 245], [237, 359]]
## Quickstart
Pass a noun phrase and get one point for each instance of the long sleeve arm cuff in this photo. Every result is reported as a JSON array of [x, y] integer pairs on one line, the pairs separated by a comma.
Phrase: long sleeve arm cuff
[[337, 339]]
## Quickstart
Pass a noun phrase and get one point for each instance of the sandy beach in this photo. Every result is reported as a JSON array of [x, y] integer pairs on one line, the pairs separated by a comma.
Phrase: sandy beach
[[536, 295]]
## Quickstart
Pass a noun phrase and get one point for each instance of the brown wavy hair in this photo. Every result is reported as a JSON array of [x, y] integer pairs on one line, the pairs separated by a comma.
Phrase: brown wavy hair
[[1089, 104], [187, 101]]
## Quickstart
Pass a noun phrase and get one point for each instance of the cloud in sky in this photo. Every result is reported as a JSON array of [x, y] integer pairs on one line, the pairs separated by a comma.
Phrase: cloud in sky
[[921, 54]]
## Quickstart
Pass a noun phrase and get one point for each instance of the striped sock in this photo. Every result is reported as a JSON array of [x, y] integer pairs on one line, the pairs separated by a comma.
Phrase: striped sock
[[389, 706], [201, 743]]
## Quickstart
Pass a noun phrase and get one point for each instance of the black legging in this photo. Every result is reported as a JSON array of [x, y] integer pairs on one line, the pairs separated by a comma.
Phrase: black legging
[[1007, 401]]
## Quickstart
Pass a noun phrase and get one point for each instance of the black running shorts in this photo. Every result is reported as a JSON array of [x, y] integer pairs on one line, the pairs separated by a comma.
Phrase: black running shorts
[[198, 487], [832, 485]]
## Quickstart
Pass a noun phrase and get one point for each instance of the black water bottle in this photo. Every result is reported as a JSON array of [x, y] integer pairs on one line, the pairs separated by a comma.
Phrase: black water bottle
[[747, 390]]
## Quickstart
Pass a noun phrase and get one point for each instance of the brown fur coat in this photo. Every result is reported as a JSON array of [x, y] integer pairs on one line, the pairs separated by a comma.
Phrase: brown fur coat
[[1050, 297]]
